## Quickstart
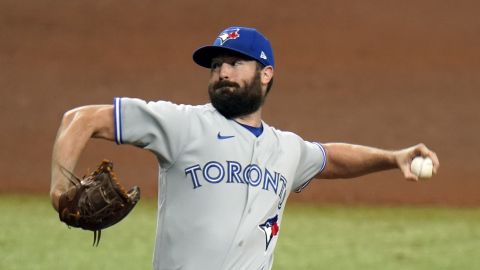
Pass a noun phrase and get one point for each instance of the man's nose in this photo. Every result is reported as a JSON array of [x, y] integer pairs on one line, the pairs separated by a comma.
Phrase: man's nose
[[225, 71]]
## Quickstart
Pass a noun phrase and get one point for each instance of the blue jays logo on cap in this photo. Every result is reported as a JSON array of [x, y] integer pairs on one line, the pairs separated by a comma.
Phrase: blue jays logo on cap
[[225, 36], [270, 228], [245, 41]]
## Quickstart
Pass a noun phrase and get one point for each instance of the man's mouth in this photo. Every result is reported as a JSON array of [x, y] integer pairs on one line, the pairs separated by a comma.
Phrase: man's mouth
[[225, 89]]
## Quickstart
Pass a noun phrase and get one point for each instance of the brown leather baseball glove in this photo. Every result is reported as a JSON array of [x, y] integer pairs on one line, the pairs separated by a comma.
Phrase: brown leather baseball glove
[[96, 201]]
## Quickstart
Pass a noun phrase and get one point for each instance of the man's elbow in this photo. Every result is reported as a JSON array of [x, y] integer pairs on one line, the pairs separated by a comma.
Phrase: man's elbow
[[97, 120], [55, 197], [75, 114]]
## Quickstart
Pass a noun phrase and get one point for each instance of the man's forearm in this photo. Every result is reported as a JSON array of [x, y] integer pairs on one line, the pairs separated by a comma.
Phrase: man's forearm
[[349, 160], [77, 127], [71, 139]]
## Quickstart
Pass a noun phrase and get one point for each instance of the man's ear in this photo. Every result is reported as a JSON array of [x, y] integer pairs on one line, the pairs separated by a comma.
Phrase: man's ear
[[266, 74]]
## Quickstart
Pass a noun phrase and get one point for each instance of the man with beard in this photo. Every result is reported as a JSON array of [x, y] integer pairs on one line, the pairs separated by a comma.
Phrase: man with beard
[[224, 173]]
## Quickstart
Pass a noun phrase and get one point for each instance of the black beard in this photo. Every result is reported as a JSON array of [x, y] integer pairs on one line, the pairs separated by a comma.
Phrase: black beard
[[233, 101]]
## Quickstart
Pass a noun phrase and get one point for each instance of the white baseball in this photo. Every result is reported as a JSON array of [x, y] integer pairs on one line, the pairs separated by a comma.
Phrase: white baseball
[[422, 167]]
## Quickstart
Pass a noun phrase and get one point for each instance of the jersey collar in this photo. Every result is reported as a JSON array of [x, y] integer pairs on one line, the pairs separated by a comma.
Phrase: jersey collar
[[257, 131]]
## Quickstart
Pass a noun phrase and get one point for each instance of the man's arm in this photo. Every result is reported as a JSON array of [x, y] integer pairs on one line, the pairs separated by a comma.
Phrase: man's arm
[[76, 128], [348, 160]]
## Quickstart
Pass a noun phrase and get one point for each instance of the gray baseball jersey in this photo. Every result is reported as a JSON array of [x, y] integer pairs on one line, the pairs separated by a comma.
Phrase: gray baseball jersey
[[222, 190]]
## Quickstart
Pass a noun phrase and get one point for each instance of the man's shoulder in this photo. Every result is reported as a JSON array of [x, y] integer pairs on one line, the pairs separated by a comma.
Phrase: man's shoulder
[[166, 105], [280, 132], [189, 108]]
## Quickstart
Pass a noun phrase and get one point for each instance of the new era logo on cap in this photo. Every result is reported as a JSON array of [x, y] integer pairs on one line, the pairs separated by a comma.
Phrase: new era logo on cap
[[263, 56], [243, 40]]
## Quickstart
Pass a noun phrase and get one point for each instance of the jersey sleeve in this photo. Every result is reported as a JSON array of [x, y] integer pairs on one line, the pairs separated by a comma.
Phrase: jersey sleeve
[[313, 160], [160, 126]]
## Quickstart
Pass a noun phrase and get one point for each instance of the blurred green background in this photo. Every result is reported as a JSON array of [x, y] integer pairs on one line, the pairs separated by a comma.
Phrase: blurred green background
[[311, 237]]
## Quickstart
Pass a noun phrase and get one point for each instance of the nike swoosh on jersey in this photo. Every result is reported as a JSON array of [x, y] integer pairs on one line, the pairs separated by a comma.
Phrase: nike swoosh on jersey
[[222, 137]]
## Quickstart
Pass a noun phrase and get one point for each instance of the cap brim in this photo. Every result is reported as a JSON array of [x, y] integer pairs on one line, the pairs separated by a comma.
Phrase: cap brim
[[203, 56]]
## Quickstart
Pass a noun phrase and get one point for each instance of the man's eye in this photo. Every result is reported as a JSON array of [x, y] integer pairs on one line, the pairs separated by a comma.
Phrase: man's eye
[[237, 62], [215, 65]]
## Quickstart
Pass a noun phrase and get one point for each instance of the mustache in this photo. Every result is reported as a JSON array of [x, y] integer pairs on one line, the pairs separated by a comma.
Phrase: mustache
[[225, 83]]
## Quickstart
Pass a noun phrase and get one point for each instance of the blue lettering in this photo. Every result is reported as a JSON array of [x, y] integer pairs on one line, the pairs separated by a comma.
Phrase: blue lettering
[[215, 178], [234, 170], [269, 180], [192, 171], [214, 172], [247, 175], [283, 191]]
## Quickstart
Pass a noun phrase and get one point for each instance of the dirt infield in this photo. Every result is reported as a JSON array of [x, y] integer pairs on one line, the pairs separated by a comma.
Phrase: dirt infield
[[381, 73]]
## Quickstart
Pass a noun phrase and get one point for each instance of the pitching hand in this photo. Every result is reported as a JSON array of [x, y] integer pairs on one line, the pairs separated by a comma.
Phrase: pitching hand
[[405, 156]]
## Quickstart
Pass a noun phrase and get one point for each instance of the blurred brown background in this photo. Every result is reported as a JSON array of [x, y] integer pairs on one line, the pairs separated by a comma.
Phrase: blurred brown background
[[382, 73]]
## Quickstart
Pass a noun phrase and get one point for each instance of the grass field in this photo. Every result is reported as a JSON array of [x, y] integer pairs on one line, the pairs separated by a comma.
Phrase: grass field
[[311, 237]]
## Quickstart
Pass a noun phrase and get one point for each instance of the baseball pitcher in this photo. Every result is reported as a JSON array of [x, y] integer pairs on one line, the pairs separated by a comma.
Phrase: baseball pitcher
[[225, 175]]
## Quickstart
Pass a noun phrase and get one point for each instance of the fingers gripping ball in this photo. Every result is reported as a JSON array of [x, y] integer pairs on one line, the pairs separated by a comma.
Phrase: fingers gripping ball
[[422, 167], [97, 201]]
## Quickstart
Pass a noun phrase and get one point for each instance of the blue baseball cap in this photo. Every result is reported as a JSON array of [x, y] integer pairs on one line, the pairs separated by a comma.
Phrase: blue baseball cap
[[243, 40]]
